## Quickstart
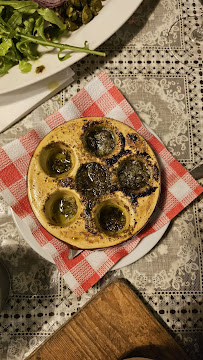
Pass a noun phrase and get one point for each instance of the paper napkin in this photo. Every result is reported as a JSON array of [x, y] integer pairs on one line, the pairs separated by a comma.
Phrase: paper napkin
[[16, 104], [100, 97]]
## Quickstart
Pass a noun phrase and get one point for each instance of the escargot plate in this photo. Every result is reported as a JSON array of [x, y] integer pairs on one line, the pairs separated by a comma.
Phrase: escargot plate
[[93, 182]]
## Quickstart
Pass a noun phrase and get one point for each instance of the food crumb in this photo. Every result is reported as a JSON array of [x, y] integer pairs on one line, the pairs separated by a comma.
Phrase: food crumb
[[39, 69]]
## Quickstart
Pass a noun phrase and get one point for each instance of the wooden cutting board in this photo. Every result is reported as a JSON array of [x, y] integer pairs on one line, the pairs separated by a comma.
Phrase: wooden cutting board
[[112, 325]]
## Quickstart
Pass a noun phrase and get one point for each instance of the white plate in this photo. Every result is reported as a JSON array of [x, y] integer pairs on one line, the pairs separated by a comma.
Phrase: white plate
[[111, 17], [145, 245]]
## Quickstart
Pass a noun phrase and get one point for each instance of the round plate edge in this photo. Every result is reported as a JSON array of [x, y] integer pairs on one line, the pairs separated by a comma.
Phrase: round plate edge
[[140, 250]]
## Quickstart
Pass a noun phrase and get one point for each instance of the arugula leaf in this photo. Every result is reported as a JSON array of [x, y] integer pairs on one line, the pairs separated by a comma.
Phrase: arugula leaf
[[53, 32], [39, 28], [50, 16], [4, 28], [29, 25], [1, 9], [26, 7], [28, 49], [63, 58], [60, 46], [24, 26], [5, 65], [5, 46], [24, 66], [15, 19], [13, 54]]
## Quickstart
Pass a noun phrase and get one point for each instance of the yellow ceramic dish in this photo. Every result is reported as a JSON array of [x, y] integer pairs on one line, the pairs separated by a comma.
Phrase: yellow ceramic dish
[[93, 182]]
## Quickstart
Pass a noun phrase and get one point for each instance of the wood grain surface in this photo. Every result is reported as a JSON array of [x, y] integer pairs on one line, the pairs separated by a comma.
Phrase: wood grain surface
[[114, 324]]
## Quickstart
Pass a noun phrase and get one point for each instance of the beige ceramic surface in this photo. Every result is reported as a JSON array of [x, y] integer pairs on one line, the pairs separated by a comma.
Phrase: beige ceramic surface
[[80, 231]]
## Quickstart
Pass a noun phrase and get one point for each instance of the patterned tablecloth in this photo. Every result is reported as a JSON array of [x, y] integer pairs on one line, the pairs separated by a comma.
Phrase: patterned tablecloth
[[167, 97]]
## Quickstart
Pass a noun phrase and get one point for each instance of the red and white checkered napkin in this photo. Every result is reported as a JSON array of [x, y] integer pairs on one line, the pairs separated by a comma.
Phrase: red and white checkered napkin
[[99, 98]]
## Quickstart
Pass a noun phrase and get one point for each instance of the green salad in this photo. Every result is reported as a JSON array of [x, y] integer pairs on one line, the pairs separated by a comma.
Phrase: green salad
[[23, 27]]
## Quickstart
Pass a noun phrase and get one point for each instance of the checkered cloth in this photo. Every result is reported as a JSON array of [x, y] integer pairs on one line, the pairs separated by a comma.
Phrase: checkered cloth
[[99, 98]]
